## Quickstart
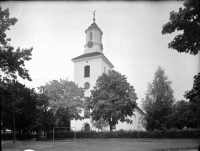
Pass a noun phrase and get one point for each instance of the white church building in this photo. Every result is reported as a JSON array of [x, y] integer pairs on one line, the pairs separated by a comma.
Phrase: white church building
[[87, 68]]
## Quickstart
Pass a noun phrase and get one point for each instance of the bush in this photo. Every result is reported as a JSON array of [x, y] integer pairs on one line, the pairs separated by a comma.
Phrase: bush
[[128, 134]]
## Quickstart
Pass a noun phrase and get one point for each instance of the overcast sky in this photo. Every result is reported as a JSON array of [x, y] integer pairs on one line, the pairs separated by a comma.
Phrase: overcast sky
[[132, 40]]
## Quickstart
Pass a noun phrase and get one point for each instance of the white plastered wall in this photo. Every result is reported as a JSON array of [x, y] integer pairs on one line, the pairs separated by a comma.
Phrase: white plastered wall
[[95, 71]]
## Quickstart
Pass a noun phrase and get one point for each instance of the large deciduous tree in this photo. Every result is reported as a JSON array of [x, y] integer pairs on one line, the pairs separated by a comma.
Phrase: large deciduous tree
[[187, 20], [158, 102], [11, 62], [112, 99], [66, 99]]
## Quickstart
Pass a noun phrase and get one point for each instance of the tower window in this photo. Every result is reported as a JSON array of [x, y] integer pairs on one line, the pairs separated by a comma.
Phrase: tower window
[[90, 35], [87, 71]]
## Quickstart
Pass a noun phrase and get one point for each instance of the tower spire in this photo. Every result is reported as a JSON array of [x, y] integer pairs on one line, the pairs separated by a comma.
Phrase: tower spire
[[94, 16]]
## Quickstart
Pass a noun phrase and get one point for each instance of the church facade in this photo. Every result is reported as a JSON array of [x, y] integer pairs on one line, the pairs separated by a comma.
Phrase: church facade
[[87, 68]]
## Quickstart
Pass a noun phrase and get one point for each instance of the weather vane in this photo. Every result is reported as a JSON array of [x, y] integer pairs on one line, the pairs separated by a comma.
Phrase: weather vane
[[94, 16]]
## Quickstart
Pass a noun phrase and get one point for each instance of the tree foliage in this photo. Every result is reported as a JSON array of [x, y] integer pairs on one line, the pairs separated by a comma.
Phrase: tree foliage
[[11, 62], [187, 20], [194, 97], [100, 124], [44, 117], [18, 100], [158, 102], [182, 115], [5, 23], [65, 98], [194, 94], [112, 99]]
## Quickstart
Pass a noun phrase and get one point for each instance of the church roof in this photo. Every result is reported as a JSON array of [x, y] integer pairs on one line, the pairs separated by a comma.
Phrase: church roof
[[93, 26], [142, 112], [93, 54], [88, 55]]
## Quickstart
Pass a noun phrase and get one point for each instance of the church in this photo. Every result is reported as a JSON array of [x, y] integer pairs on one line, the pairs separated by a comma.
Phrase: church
[[87, 68]]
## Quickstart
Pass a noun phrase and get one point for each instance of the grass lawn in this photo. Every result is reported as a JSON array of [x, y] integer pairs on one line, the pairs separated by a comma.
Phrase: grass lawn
[[105, 145]]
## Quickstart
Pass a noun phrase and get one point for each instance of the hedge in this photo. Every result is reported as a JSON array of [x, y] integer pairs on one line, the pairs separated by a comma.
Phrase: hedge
[[115, 134], [9, 136], [128, 134]]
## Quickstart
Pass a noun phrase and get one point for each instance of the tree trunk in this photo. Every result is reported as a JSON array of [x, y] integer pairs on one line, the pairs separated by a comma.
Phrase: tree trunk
[[20, 133], [14, 112], [37, 133], [99, 126], [14, 135], [1, 139], [110, 127], [110, 124]]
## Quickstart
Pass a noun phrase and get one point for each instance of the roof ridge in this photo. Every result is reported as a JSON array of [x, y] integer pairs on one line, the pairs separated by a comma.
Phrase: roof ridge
[[88, 55]]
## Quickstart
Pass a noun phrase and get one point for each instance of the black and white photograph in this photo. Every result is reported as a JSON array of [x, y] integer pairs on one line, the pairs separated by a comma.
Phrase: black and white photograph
[[100, 75]]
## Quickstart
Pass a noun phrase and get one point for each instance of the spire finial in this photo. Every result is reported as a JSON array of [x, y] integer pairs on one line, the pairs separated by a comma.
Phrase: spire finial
[[94, 16]]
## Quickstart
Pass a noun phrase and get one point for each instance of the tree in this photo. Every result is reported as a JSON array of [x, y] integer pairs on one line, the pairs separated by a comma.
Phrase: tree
[[11, 62], [187, 19], [112, 99], [194, 98], [66, 99], [158, 102], [44, 116], [21, 102]]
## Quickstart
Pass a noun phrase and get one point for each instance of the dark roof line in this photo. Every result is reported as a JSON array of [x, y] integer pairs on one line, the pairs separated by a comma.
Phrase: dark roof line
[[92, 54], [140, 110], [87, 55]]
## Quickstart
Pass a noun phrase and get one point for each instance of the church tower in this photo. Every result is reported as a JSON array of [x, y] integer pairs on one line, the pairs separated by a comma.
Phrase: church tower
[[93, 38], [88, 67]]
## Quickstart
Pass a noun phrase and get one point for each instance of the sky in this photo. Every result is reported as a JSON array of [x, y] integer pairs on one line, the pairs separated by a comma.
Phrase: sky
[[132, 40]]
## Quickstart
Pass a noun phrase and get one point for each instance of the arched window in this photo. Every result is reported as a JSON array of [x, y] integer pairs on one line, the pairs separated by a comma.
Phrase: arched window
[[87, 71], [87, 127], [90, 35]]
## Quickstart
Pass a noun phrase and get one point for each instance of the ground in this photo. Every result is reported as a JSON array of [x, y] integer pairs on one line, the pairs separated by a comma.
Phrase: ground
[[105, 145]]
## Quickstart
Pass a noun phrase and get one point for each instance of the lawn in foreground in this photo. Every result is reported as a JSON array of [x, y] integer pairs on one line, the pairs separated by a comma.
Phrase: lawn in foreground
[[105, 145]]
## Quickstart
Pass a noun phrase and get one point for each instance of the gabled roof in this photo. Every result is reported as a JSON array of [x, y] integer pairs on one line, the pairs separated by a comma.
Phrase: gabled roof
[[140, 110], [92, 54]]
